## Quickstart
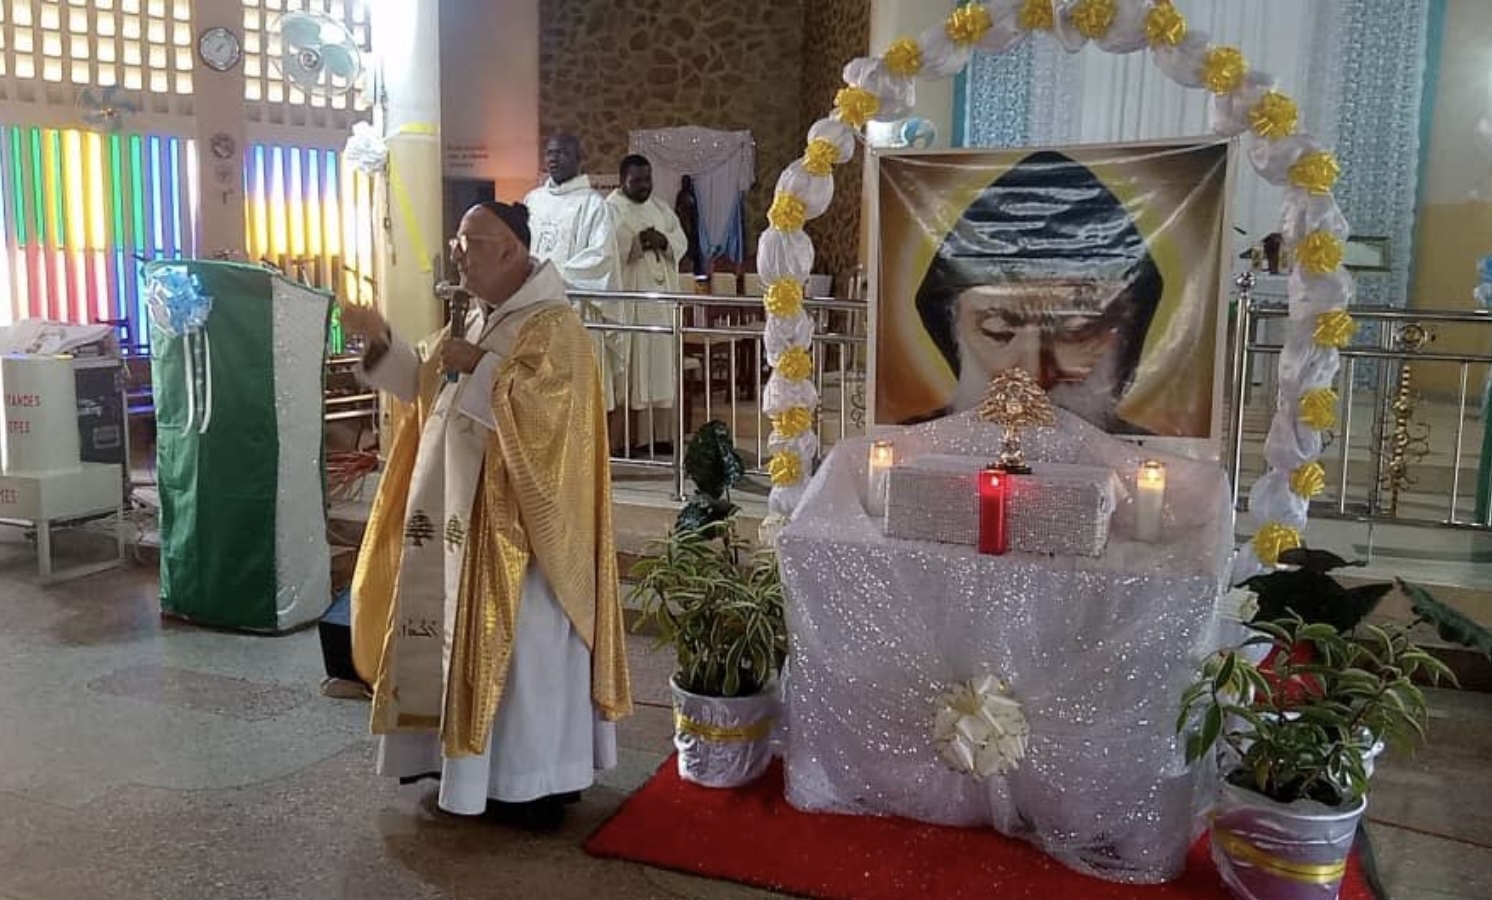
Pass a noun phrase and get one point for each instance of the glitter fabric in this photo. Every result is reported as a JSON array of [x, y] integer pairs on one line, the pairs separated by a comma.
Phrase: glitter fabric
[[1057, 509], [1096, 650], [302, 555]]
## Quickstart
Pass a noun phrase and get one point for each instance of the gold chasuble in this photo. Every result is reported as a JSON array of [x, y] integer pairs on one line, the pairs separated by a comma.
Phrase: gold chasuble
[[543, 497]]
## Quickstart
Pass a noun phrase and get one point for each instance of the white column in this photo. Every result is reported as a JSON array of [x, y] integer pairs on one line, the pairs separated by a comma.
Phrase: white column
[[221, 133], [406, 37]]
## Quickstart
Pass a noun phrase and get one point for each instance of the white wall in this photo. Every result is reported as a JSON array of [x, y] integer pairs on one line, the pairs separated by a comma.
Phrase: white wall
[[891, 19], [1455, 164], [490, 91]]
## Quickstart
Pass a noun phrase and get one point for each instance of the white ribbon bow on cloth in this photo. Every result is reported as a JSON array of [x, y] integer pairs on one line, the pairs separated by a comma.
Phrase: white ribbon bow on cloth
[[979, 729]]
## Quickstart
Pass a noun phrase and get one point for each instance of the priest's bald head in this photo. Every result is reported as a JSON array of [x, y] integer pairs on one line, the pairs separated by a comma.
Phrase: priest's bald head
[[1047, 272], [490, 250], [562, 158]]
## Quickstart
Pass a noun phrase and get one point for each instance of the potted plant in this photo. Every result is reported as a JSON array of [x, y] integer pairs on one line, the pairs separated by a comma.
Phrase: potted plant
[[718, 605], [1304, 586], [714, 467], [1296, 776]]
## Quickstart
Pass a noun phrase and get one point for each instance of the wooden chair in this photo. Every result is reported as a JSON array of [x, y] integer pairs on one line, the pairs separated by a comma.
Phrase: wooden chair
[[707, 358]]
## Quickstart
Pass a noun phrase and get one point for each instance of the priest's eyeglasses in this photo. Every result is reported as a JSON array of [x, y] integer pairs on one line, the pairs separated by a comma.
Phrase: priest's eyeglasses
[[461, 243]]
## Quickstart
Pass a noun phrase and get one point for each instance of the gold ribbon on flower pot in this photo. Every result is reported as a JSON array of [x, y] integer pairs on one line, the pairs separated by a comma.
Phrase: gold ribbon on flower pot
[[721, 734], [1278, 866]]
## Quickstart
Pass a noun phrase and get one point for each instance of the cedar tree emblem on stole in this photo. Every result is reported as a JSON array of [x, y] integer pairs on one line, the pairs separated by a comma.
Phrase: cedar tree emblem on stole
[[1015, 401], [455, 534], [420, 529]]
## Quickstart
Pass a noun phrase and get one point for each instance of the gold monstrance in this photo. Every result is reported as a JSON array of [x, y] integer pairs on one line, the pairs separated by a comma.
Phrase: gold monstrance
[[1015, 401]]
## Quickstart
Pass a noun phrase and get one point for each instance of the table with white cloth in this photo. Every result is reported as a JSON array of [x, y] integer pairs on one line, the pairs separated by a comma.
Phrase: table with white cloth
[[1096, 650]]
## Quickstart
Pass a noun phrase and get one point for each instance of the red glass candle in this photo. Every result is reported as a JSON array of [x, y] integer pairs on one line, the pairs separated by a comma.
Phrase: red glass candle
[[994, 500]]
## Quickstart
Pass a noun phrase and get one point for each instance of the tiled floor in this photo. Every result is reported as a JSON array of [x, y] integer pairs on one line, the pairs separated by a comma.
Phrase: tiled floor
[[141, 760]]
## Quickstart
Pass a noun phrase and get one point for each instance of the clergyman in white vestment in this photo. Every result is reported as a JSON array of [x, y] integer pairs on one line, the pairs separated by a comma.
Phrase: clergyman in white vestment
[[485, 606], [572, 229], [650, 243]]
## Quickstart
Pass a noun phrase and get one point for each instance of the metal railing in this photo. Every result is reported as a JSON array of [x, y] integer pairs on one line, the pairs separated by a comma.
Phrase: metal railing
[[718, 346], [1408, 463]]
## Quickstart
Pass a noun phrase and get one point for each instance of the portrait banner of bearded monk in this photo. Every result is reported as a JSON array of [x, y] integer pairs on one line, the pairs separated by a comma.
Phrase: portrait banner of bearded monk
[[1099, 270]]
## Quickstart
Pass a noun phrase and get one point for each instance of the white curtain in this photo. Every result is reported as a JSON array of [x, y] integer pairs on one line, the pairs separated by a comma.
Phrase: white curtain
[[1096, 97], [722, 165]]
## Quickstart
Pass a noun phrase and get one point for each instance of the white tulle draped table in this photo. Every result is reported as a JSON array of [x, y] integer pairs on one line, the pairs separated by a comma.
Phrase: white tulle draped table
[[1030, 693]]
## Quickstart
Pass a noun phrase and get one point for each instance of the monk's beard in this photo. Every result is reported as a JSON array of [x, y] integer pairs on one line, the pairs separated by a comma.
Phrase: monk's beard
[[1094, 399]]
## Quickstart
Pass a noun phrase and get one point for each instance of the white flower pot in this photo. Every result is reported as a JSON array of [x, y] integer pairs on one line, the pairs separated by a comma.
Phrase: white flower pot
[[723, 742], [1276, 851]]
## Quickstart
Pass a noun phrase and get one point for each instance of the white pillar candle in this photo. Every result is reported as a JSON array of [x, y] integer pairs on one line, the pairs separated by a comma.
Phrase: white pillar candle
[[1150, 501], [878, 476]]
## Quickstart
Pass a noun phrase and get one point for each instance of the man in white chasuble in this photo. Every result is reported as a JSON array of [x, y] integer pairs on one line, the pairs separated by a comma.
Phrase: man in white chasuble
[[650, 242], [485, 604], [572, 229]]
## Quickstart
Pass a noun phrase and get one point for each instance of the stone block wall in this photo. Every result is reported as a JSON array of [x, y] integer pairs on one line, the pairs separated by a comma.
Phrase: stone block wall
[[835, 32], [606, 68]]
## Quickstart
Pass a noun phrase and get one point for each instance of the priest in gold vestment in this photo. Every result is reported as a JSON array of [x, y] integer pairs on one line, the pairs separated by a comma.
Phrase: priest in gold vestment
[[485, 604]]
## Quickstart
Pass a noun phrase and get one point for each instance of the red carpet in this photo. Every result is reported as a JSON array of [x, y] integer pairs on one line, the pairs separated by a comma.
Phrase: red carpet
[[752, 836]]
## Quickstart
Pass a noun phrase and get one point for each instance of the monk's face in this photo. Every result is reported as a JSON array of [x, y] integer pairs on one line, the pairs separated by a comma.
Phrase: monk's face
[[490, 259], [1056, 340]]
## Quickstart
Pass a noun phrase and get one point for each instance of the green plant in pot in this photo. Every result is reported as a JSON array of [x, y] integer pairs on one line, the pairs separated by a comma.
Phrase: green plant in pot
[[1304, 586], [718, 605], [1298, 736]]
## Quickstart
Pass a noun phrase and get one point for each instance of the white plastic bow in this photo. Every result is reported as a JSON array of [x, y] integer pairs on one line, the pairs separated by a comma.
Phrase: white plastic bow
[[1238, 605], [366, 149], [979, 729]]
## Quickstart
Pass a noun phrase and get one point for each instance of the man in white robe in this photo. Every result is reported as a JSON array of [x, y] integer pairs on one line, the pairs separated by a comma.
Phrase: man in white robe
[[650, 242], [572, 229], [485, 604]]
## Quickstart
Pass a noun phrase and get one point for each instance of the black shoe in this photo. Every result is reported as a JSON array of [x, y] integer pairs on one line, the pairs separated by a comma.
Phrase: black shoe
[[537, 816], [569, 798], [416, 779]]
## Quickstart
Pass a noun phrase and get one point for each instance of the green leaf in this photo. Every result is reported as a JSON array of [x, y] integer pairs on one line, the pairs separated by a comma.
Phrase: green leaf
[[1280, 635], [1318, 633], [1451, 624], [1224, 677], [1437, 671], [1212, 726]]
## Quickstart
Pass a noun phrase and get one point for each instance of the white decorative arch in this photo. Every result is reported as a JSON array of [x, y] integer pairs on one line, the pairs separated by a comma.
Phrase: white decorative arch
[[1243, 103]]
